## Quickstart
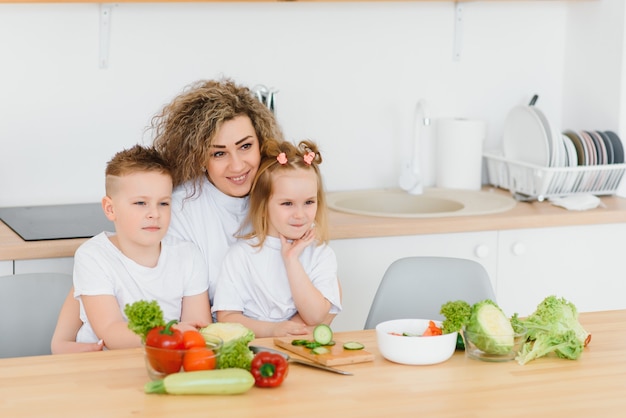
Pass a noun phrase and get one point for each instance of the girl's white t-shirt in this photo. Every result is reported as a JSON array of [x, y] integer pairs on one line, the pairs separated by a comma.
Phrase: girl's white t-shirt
[[254, 280], [100, 268]]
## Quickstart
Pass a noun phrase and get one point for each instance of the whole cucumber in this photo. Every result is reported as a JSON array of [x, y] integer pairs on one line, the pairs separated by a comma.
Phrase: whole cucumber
[[203, 382]]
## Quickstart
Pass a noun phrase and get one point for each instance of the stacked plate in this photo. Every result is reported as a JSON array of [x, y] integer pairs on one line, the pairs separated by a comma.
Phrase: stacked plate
[[528, 137]]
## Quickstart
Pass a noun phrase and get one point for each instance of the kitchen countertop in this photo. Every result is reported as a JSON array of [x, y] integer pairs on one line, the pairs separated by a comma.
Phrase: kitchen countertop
[[110, 384], [344, 225]]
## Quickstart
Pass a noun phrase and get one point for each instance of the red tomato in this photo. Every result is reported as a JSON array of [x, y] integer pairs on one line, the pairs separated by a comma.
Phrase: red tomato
[[198, 358], [193, 338]]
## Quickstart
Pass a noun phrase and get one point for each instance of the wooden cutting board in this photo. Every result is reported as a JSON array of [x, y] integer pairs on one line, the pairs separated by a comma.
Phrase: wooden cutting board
[[337, 356]]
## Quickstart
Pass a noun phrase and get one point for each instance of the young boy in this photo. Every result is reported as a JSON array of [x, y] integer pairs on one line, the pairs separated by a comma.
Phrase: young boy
[[137, 261]]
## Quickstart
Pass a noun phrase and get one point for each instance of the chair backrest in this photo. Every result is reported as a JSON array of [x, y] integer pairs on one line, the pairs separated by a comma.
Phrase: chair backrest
[[29, 308], [416, 287]]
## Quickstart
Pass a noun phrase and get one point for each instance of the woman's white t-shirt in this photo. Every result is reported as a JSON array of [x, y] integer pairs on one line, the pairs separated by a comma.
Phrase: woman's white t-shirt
[[210, 220], [100, 268]]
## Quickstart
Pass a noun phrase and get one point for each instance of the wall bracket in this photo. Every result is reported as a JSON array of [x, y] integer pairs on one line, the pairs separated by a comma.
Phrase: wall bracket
[[458, 32], [105, 34]]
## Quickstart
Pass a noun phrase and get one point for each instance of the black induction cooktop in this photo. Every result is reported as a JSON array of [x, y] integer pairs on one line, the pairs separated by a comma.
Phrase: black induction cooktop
[[35, 223]]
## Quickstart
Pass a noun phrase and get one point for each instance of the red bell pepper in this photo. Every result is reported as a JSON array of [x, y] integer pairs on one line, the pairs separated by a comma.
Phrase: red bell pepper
[[269, 369], [170, 358]]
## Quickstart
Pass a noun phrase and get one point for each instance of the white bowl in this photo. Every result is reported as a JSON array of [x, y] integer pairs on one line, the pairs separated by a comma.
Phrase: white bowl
[[415, 350]]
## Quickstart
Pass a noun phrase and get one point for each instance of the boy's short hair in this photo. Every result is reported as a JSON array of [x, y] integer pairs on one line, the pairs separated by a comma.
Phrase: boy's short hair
[[132, 160]]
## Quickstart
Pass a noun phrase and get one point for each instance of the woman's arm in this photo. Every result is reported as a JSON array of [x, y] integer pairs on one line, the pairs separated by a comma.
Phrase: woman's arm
[[68, 324]]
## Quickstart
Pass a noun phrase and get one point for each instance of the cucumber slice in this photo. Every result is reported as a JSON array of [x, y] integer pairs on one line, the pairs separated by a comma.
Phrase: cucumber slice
[[353, 345], [320, 350], [323, 334], [312, 344]]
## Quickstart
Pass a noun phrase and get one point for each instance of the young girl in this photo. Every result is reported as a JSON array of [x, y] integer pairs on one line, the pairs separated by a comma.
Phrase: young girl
[[282, 275]]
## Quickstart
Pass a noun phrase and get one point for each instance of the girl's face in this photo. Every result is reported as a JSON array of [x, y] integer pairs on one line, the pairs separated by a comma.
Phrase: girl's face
[[235, 157], [292, 207]]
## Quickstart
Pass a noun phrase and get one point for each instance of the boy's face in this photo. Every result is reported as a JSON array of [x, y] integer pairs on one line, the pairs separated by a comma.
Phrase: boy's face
[[139, 206], [235, 157], [292, 207]]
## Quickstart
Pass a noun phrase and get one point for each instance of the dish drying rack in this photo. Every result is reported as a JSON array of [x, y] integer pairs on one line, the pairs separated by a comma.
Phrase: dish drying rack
[[531, 182]]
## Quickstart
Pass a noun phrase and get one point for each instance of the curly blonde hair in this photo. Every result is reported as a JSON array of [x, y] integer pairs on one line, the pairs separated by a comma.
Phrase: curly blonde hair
[[262, 188], [185, 128]]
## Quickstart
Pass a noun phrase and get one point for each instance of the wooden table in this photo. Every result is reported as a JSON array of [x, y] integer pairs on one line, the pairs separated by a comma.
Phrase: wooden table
[[110, 384]]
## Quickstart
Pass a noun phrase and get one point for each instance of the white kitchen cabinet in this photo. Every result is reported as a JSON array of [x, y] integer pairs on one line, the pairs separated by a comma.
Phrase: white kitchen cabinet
[[45, 265], [362, 263], [584, 264], [6, 268]]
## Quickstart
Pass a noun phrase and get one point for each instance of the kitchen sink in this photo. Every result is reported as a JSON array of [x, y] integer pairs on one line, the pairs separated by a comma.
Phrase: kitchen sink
[[397, 203]]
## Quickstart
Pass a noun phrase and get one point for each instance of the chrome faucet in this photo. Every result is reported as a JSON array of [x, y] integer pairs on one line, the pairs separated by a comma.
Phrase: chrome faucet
[[410, 178], [265, 96]]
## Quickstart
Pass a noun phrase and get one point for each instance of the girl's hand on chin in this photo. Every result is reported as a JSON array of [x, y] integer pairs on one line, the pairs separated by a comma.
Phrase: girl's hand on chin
[[293, 248]]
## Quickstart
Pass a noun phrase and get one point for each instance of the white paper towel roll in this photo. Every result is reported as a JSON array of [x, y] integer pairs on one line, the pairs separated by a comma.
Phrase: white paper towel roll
[[459, 152]]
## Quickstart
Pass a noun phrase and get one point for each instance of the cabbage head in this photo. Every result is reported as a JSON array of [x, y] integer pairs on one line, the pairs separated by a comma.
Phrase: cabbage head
[[235, 351], [492, 330]]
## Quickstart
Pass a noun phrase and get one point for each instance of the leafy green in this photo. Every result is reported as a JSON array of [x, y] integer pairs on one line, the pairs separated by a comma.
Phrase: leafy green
[[143, 316], [236, 337], [456, 315], [565, 345], [517, 324], [553, 328], [489, 328]]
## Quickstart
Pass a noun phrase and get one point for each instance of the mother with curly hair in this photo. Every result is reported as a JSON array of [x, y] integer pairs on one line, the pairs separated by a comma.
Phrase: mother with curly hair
[[211, 135]]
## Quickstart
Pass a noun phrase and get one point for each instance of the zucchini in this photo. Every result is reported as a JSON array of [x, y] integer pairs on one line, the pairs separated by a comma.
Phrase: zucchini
[[353, 345], [203, 382], [322, 334]]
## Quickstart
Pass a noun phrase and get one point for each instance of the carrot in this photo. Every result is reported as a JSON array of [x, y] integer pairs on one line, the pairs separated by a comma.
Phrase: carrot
[[432, 330]]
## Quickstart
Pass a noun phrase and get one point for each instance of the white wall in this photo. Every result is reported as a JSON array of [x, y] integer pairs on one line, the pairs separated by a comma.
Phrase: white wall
[[349, 75]]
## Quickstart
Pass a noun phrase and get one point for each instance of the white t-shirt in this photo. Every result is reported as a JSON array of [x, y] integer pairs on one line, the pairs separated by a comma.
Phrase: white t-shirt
[[100, 268], [254, 281], [210, 220]]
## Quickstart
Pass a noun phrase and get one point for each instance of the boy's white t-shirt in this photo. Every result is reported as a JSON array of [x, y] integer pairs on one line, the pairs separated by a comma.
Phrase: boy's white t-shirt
[[210, 220], [100, 268], [254, 280]]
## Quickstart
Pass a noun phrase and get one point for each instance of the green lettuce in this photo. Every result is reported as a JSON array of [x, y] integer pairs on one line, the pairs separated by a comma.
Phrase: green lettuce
[[235, 352]]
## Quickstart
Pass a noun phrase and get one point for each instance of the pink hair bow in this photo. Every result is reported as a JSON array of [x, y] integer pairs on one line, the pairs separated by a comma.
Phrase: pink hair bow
[[282, 158], [308, 157]]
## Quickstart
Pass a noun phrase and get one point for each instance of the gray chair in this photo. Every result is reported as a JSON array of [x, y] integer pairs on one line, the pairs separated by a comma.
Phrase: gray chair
[[416, 287], [29, 308]]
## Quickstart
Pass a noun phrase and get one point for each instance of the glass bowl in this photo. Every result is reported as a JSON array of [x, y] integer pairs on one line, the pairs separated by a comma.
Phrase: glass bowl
[[495, 349], [161, 362]]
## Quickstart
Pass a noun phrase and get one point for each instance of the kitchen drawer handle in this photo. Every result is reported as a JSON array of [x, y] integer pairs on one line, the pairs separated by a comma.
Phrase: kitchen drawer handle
[[482, 251], [519, 248]]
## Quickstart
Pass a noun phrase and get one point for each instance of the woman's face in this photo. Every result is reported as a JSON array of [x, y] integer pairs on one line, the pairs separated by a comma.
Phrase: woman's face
[[235, 157]]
